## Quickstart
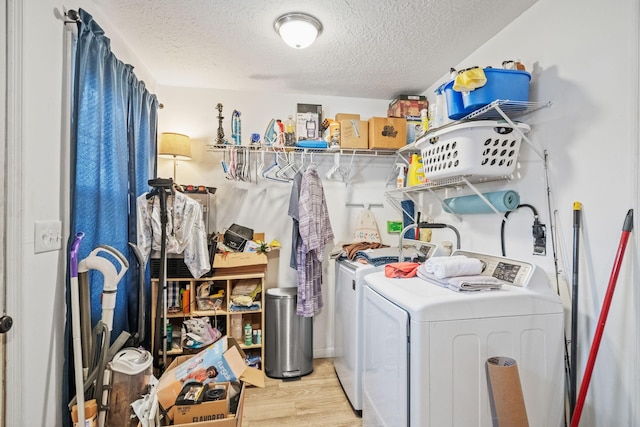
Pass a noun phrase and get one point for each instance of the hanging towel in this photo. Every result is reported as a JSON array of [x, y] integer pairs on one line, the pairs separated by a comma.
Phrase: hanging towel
[[367, 228], [468, 80], [401, 270], [453, 266]]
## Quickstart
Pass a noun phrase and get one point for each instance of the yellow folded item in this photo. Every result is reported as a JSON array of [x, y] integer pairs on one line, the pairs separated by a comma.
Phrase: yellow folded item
[[242, 300], [469, 80]]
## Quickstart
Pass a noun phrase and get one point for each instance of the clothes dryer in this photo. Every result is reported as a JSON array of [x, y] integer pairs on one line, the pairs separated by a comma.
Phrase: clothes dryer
[[348, 313], [426, 347]]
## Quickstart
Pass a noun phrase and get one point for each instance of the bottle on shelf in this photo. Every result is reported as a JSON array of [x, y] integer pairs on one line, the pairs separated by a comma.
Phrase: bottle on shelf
[[186, 302], [415, 176], [400, 178], [290, 132], [424, 120], [248, 334]]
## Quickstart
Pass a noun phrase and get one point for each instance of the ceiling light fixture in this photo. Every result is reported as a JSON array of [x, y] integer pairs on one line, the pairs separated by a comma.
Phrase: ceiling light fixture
[[298, 30]]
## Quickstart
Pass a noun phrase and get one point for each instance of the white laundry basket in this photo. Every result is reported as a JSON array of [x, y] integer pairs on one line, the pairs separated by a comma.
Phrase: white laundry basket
[[487, 148]]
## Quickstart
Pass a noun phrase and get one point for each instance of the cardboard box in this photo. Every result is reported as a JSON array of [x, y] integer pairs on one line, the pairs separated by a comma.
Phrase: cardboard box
[[204, 411], [232, 420], [239, 263], [387, 133], [347, 116], [354, 133], [407, 105], [229, 363]]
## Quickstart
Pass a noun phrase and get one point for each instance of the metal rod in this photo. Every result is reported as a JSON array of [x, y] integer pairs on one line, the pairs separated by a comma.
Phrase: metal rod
[[577, 210]]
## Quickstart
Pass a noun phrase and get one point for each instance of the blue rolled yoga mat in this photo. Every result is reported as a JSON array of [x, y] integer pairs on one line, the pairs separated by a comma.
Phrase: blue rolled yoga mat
[[408, 213], [503, 201]]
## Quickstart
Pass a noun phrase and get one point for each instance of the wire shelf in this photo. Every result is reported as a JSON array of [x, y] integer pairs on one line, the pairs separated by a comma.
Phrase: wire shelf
[[271, 149], [457, 181], [512, 109]]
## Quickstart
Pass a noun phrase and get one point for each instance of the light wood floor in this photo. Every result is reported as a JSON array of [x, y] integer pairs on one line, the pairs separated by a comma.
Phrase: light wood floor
[[316, 400]]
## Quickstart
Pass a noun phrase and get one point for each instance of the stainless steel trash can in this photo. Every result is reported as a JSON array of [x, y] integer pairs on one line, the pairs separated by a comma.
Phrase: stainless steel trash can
[[288, 337]]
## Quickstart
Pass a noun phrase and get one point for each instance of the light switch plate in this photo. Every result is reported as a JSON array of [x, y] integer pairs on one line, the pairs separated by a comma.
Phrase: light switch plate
[[47, 236]]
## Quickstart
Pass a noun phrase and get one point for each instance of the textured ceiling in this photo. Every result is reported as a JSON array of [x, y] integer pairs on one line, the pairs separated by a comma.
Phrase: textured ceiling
[[375, 49]]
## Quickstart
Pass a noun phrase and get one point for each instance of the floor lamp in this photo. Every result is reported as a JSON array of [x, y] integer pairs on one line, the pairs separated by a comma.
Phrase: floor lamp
[[176, 146]]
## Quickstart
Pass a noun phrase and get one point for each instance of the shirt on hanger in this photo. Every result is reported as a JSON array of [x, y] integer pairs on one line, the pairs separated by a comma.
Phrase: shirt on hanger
[[185, 230]]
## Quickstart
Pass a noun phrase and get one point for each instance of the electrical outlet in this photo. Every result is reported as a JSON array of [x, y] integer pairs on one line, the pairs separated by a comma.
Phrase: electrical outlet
[[47, 236]]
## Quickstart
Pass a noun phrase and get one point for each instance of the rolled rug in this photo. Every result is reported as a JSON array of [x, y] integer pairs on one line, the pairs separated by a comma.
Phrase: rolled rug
[[503, 201]]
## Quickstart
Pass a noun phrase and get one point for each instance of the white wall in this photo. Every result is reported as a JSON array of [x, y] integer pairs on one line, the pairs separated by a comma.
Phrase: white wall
[[584, 58], [584, 55], [35, 344], [263, 205]]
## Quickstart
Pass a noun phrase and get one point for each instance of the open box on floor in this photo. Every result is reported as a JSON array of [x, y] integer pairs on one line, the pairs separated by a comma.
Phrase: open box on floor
[[205, 410], [229, 360]]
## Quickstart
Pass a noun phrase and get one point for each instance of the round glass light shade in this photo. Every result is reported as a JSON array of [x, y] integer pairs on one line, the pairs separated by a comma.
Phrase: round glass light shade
[[298, 30]]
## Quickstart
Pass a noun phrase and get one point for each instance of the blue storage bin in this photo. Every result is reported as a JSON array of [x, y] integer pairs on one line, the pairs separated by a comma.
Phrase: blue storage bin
[[512, 85], [455, 106]]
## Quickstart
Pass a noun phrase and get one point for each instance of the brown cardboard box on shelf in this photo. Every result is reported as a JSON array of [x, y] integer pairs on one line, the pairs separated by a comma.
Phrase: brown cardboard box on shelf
[[240, 262], [230, 364], [387, 133], [203, 411], [354, 133], [347, 116], [407, 105]]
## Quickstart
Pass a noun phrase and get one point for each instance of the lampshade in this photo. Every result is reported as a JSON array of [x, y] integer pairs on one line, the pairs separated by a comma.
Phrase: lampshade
[[175, 145], [298, 30]]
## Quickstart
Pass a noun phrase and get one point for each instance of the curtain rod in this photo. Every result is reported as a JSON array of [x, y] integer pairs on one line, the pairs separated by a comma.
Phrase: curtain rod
[[73, 16]]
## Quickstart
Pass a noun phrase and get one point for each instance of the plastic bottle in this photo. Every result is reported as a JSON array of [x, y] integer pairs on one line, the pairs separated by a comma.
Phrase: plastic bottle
[[400, 179], [169, 335], [290, 132], [186, 304], [415, 175], [439, 109], [259, 339], [424, 120], [248, 335]]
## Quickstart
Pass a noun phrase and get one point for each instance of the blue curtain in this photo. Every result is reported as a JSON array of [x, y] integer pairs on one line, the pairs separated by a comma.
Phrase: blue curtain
[[113, 151]]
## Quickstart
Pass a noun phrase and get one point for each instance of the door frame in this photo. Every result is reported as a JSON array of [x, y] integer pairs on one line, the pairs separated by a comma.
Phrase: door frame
[[12, 405]]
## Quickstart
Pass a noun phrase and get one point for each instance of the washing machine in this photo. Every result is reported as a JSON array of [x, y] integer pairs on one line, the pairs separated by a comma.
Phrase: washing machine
[[348, 313], [426, 347]]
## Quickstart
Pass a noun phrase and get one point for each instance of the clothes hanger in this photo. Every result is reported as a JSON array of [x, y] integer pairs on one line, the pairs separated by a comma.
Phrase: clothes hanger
[[269, 173]]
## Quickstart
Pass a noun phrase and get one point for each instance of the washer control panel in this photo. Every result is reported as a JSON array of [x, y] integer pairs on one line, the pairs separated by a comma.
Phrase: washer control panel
[[514, 272]]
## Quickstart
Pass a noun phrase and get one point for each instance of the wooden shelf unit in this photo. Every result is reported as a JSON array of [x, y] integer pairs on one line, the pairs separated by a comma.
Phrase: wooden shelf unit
[[222, 315]]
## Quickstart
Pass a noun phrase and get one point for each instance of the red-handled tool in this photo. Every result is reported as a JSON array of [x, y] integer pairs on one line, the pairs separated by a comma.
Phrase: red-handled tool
[[593, 353]]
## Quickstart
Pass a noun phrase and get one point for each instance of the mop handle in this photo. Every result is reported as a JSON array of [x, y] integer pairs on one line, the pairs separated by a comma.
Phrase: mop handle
[[577, 210], [75, 326], [73, 255], [626, 231]]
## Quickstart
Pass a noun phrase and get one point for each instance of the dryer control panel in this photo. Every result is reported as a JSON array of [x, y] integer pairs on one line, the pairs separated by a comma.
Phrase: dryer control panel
[[514, 272]]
